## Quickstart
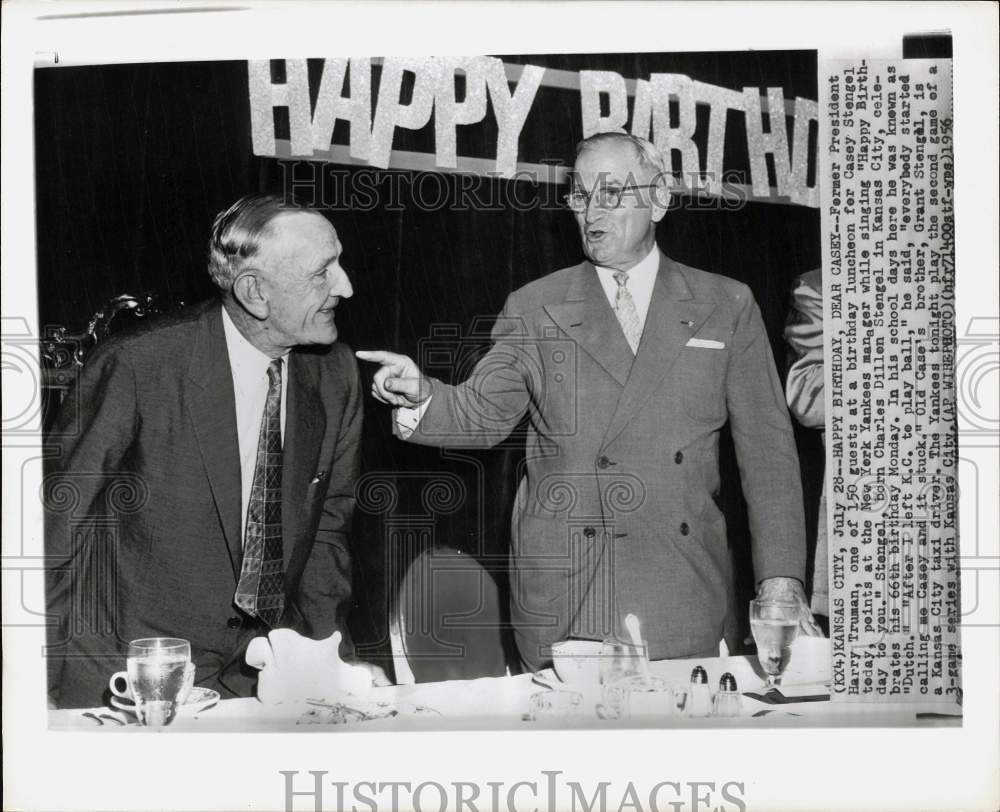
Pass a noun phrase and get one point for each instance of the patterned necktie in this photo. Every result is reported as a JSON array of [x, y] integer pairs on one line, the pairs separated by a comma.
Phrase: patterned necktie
[[625, 310], [261, 590]]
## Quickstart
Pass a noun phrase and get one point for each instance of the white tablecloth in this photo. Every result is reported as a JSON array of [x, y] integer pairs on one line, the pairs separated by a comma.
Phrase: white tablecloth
[[503, 703]]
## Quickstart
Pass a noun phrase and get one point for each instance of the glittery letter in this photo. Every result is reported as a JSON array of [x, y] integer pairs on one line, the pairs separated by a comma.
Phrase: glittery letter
[[511, 110], [265, 95], [805, 111], [774, 141], [592, 84], [720, 101], [642, 110], [447, 112], [681, 137], [356, 108], [390, 114]]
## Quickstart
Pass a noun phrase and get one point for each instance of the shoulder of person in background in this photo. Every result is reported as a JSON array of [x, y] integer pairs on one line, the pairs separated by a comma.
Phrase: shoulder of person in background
[[804, 385]]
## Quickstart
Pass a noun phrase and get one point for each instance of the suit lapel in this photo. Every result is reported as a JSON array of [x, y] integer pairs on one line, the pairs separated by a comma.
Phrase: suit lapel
[[305, 425], [673, 317], [587, 318], [212, 409]]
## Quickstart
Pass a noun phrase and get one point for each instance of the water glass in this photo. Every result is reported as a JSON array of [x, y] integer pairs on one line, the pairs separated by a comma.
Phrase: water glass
[[774, 624], [159, 677]]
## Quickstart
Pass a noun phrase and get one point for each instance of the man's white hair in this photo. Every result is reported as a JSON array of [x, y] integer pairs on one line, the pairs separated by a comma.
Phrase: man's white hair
[[238, 234], [649, 154]]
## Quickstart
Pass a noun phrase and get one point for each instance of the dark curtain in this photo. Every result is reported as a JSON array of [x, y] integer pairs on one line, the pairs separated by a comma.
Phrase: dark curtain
[[133, 162]]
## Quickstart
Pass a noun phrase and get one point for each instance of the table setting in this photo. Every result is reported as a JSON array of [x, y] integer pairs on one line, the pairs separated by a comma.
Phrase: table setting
[[303, 685]]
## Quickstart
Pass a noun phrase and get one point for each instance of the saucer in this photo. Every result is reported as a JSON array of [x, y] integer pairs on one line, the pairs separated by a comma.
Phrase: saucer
[[198, 700]]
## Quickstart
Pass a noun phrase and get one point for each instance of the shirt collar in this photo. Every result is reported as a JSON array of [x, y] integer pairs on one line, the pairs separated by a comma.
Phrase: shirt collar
[[645, 269], [246, 360]]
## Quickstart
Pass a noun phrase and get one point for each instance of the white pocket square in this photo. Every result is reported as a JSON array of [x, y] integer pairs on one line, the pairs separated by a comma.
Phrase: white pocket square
[[708, 343]]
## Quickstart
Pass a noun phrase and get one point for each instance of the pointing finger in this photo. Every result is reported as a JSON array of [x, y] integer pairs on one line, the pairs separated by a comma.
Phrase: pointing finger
[[378, 356]]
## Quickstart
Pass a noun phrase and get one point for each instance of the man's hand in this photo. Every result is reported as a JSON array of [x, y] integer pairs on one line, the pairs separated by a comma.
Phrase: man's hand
[[293, 667], [790, 589], [399, 382]]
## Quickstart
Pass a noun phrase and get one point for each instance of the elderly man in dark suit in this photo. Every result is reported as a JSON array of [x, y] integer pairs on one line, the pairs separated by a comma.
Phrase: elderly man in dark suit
[[204, 484], [627, 366]]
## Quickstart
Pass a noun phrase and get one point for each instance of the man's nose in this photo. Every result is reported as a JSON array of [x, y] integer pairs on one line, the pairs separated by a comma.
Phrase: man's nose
[[340, 283], [592, 211]]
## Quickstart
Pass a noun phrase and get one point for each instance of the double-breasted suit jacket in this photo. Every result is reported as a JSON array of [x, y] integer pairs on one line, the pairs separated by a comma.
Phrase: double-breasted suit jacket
[[616, 512], [143, 529]]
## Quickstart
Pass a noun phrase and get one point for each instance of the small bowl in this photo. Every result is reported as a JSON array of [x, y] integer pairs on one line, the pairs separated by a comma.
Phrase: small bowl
[[578, 662]]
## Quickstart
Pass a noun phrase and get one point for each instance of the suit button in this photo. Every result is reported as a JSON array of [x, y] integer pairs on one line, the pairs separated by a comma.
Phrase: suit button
[[603, 462], [679, 457], [685, 529], [234, 622], [589, 532]]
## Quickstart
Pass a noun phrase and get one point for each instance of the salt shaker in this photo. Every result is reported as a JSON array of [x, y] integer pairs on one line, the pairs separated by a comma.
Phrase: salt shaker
[[727, 701], [699, 694]]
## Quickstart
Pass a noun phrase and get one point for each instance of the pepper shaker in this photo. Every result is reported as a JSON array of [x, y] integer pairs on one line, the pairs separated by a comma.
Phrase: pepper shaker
[[728, 701]]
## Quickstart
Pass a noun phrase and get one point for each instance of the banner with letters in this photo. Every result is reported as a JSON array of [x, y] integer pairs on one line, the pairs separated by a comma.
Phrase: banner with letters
[[663, 107]]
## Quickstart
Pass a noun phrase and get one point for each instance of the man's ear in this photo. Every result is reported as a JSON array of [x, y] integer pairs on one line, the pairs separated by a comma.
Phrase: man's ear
[[661, 197], [248, 292]]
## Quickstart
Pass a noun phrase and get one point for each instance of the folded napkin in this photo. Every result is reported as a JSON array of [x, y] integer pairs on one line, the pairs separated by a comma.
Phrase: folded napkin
[[294, 668]]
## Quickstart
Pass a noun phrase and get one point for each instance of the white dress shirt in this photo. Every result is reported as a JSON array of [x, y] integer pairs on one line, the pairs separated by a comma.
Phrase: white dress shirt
[[641, 280], [250, 384]]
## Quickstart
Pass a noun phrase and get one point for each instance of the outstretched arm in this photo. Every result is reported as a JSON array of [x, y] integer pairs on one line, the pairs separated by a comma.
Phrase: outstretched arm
[[479, 412]]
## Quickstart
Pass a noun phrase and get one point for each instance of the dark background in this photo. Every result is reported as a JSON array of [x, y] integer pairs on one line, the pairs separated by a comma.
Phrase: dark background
[[134, 161]]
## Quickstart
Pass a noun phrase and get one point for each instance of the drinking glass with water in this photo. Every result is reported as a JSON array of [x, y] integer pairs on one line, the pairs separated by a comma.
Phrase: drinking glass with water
[[159, 677], [774, 624]]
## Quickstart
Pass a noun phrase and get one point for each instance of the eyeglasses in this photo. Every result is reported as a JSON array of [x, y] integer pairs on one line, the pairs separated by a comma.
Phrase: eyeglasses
[[605, 197]]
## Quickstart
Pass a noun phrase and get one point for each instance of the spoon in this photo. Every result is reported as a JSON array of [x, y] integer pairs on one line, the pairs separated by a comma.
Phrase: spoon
[[632, 627]]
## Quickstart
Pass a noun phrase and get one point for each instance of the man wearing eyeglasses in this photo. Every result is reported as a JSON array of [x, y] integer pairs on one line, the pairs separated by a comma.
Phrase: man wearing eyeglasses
[[627, 366]]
